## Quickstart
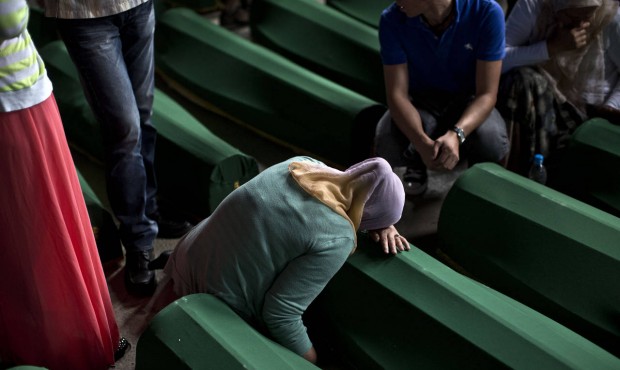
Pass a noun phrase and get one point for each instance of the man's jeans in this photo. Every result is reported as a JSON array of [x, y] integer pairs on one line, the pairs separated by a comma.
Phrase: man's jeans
[[488, 143], [114, 58]]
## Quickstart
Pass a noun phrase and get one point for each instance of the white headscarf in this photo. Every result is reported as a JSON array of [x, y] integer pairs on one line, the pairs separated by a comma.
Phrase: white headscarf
[[579, 75]]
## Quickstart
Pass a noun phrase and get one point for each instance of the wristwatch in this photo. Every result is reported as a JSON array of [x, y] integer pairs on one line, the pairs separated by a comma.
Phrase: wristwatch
[[460, 133]]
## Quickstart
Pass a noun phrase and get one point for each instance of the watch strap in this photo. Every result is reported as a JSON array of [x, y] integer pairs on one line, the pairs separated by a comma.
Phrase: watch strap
[[459, 133]]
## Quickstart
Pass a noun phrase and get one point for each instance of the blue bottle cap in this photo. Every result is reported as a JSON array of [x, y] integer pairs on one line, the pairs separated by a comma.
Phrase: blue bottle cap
[[538, 158]]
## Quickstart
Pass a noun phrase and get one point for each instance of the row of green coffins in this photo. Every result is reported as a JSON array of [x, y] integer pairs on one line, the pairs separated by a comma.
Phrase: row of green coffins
[[195, 169], [333, 45], [323, 40], [598, 149], [366, 11], [552, 264], [268, 93], [262, 90], [558, 256], [379, 312], [281, 100], [550, 251]]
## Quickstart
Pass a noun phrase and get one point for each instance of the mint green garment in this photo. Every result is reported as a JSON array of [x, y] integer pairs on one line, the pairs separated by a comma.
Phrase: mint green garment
[[268, 250]]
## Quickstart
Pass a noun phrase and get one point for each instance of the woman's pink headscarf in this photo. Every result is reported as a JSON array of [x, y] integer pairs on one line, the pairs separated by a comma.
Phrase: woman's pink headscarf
[[369, 194]]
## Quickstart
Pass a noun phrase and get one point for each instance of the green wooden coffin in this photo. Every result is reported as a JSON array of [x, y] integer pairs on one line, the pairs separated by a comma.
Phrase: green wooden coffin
[[552, 252], [201, 332], [323, 40], [195, 168], [411, 311], [104, 229], [367, 11], [201, 6], [262, 90], [591, 169]]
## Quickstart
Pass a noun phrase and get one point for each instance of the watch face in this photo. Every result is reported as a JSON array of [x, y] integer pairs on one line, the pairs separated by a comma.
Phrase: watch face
[[459, 133]]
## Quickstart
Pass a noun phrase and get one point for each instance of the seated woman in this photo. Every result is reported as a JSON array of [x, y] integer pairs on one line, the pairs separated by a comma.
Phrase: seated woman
[[561, 67], [273, 244]]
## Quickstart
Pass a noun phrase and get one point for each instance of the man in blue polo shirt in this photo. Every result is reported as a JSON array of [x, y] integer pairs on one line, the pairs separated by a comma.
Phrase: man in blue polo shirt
[[442, 63]]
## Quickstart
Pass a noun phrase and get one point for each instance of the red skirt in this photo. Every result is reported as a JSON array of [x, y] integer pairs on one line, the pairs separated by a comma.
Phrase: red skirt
[[55, 308]]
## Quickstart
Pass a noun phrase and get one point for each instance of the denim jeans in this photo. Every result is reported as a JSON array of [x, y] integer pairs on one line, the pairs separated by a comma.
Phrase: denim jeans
[[488, 143], [114, 59]]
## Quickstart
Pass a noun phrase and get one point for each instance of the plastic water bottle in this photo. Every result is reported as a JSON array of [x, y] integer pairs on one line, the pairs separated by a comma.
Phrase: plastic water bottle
[[538, 172]]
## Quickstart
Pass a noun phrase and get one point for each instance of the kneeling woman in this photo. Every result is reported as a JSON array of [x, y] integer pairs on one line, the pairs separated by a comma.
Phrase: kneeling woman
[[272, 245]]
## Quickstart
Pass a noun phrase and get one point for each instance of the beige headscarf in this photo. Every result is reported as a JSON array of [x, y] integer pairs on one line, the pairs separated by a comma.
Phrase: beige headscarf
[[368, 194], [577, 76]]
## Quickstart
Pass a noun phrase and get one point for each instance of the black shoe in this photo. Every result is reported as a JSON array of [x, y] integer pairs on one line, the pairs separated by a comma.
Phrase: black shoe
[[160, 262], [415, 178], [415, 181], [138, 278], [121, 349], [171, 229]]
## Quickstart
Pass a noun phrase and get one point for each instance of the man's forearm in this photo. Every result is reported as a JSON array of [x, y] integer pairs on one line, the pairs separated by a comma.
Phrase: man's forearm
[[407, 119], [476, 113]]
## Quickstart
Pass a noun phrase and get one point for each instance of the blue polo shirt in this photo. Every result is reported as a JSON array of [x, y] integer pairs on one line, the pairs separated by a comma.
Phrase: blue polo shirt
[[446, 63]]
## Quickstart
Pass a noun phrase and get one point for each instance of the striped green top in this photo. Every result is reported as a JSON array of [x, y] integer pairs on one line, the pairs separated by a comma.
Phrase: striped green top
[[23, 79]]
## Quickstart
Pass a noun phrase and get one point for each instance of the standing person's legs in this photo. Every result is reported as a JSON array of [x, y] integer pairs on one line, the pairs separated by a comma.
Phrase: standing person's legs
[[96, 48], [137, 37]]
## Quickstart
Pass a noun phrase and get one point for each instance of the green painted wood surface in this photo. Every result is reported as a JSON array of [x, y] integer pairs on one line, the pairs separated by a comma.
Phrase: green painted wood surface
[[201, 332], [413, 312], [592, 168], [195, 169], [552, 252], [201, 6], [262, 90], [323, 40], [367, 11]]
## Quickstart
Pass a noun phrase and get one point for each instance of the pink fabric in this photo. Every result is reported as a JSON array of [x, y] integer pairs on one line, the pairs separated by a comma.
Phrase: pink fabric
[[386, 198], [55, 308]]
